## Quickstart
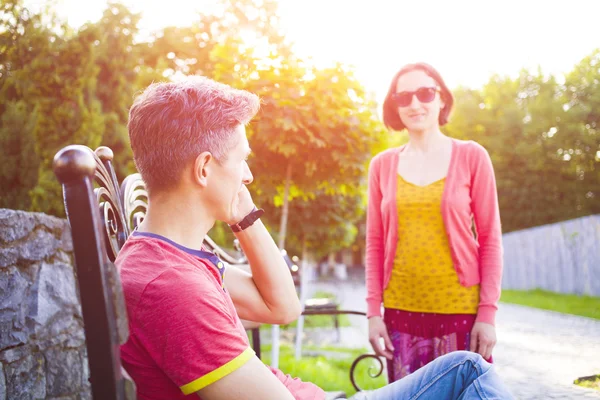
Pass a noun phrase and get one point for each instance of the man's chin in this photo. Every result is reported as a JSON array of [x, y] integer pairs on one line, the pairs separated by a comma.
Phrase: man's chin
[[227, 218]]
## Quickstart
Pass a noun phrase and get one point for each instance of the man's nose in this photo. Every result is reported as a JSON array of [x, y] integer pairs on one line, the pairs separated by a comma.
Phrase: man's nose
[[248, 177]]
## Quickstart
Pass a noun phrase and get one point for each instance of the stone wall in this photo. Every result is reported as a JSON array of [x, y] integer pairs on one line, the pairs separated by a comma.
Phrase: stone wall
[[42, 343]]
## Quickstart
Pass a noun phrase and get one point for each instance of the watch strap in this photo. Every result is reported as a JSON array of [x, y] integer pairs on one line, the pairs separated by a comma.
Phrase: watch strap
[[248, 220]]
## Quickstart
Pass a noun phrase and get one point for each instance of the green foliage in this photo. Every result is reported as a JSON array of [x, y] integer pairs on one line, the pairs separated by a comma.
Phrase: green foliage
[[116, 56], [321, 126], [76, 87], [50, 75], [326, 223], [222, 235], [63, 91], [543, 140], [22, 38], [60, 86], [20, 164]]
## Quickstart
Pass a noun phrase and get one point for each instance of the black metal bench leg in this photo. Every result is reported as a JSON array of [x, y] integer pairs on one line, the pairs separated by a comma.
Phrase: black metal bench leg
[[256, 342]]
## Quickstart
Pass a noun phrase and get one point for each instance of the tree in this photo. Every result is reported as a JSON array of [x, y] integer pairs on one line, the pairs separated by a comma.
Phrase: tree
[[580, 149], [22, 38], [18, 174], [51, 96], [45, 84], [313, 134], [116, 56], [322, 224], [64, 90], [542, 138]]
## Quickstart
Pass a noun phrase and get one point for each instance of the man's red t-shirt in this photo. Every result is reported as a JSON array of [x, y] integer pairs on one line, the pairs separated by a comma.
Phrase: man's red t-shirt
[[184, 331]]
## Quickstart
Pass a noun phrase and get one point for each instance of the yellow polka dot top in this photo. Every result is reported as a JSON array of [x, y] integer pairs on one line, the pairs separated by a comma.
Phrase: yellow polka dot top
[[423, 277]]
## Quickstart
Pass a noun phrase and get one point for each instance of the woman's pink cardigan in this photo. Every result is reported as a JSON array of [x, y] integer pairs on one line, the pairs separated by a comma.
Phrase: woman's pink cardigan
[[469, 196]]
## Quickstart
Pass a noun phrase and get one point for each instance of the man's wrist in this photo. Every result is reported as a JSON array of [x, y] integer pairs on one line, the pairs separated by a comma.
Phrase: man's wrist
[[248, 220]]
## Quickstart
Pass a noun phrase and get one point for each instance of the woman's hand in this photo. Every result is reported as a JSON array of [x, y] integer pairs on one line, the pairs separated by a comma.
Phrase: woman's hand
[[483, 339], [378, 331]]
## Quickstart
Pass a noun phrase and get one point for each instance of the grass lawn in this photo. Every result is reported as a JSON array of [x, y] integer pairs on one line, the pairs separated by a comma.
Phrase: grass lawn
[[330, 370], [586, 306]]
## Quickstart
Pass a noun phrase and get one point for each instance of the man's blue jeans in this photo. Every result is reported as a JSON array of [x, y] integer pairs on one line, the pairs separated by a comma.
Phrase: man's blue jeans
[[458, 375]]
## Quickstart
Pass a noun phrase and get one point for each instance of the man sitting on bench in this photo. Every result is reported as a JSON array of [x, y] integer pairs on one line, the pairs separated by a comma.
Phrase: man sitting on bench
[[184, 306]]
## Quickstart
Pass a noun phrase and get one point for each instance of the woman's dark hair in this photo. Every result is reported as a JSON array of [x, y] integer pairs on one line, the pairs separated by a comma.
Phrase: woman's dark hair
[[391, 118]]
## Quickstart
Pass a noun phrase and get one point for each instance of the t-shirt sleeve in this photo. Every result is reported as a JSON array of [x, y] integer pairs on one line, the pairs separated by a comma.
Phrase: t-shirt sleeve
[[185, 324]]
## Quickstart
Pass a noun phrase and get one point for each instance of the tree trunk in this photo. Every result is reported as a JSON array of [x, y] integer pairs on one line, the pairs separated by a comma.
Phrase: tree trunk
[[286, 207]]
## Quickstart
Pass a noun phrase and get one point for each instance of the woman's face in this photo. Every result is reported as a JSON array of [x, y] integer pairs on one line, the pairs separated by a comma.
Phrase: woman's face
[[418, 100]]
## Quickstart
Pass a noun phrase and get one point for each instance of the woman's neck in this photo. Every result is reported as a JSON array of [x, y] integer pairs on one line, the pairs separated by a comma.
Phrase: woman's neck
[[426, 141]]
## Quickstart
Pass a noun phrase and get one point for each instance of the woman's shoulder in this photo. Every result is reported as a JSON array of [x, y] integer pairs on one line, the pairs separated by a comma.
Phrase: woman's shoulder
[[472, 149], [386, 156]]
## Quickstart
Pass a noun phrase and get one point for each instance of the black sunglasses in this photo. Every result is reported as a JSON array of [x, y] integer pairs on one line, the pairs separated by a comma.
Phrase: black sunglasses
[[424, 95]]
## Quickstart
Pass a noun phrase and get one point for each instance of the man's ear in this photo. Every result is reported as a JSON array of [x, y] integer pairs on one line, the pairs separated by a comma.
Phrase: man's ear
[[202, 167]]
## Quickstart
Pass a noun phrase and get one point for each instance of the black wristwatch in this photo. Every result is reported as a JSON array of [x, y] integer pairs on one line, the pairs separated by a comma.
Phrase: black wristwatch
[[248, 220]]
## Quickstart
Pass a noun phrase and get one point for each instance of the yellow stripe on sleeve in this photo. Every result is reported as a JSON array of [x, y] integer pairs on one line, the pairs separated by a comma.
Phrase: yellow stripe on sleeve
[[218, 373]]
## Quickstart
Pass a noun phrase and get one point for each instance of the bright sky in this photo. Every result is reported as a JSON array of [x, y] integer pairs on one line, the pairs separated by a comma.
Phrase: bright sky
[[466, 40]]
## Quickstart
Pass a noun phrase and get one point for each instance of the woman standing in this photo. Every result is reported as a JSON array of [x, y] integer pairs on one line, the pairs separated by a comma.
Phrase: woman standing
[[433, 244]]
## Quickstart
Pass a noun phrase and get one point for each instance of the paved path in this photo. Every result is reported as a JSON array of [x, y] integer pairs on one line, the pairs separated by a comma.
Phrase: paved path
[[539, 353]]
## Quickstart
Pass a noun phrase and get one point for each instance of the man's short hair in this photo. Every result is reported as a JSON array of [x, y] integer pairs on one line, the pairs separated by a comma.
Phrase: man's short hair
[[171, 123]]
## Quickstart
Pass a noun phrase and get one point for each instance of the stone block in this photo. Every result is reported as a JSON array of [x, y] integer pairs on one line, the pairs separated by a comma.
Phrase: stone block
[[2, 383], [26, 379], [8, 256], [14, 291], [39, 245], [15, 225], [64, 371], [55, 309]]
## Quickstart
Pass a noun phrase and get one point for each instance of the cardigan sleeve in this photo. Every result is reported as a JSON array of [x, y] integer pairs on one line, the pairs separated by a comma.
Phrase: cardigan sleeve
[[374, 257], [486, 215]]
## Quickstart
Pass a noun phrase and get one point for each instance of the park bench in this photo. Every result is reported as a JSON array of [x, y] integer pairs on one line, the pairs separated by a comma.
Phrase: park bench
[[102, 213]]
